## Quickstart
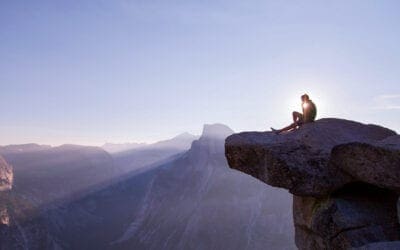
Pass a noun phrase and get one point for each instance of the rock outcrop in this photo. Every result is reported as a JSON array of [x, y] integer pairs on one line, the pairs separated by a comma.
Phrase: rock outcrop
[[6, 175], [6, 179], [390, 245], [345, 177]]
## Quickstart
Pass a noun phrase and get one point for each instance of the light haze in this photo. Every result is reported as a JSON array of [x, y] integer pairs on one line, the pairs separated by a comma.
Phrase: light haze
[[90, 72]]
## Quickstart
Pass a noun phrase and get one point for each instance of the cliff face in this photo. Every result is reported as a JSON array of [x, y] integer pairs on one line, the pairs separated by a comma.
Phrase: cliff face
[[6, 175], [6, 179], [20, 227], [345, 177]]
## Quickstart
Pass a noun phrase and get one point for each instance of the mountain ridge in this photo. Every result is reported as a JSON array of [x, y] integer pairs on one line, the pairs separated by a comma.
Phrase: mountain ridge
[[191, 200]]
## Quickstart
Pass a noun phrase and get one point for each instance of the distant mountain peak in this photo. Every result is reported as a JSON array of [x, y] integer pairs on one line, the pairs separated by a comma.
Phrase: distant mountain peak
[[185, 135], [218, 130], [29, 147], [182, 141]]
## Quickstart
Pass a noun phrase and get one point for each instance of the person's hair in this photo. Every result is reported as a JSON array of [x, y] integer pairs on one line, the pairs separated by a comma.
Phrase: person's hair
[[305, 97]]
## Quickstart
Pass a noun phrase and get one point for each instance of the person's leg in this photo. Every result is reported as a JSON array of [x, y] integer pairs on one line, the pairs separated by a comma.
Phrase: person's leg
[[288, 128], [297, 116], [297, 121]]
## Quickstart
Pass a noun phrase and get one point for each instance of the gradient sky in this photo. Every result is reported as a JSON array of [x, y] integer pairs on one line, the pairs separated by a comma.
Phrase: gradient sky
[[87, 72]]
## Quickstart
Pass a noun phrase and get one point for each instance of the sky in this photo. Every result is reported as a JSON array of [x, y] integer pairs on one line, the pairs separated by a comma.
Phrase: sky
[[90, 72]]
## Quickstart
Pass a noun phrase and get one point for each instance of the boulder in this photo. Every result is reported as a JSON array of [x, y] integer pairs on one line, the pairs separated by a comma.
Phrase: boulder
[[354, 216], [377, 165], [299, 160], [391, 142], [390, 245], [345, 177]]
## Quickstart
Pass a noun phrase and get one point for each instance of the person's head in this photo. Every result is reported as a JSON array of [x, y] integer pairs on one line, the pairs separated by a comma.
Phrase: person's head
[[305, 98]]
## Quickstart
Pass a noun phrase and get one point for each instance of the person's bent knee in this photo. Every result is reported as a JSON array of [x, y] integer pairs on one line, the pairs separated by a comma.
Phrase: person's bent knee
[[295, 113]]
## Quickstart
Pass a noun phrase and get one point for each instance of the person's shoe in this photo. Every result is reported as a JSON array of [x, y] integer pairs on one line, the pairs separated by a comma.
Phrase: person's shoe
[[275, 131]]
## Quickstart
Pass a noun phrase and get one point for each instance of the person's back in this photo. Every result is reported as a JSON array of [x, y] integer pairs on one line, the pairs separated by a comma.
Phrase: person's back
[[309, 111]]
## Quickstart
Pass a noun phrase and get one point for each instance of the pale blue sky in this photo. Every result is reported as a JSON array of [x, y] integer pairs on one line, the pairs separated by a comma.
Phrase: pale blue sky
[[88, 72]]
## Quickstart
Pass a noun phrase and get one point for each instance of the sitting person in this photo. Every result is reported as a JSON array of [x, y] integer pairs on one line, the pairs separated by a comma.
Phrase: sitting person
[[309, 114]]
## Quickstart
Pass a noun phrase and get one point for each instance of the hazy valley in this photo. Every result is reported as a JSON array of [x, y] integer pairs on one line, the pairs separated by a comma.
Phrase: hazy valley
[[175, 194]]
